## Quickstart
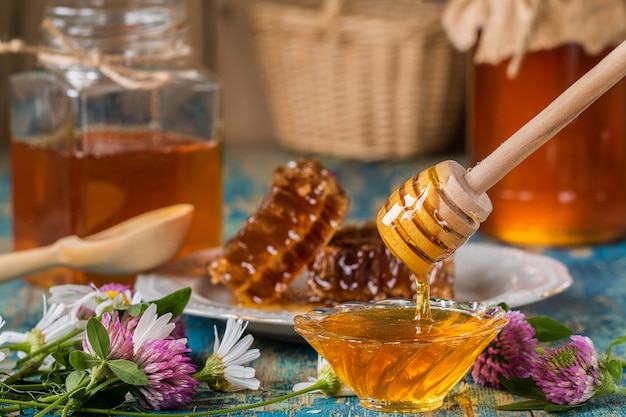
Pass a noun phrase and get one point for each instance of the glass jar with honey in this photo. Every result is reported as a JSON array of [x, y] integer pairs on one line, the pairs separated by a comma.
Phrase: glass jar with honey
[[572, 190], [117, 121]]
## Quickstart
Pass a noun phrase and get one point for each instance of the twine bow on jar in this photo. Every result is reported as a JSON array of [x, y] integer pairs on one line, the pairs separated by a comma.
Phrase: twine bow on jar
[[116, 67]]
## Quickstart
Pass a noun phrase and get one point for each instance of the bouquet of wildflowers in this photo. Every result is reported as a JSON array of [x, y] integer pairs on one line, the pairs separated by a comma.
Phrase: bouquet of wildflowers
[[104, 350], [97, 349]]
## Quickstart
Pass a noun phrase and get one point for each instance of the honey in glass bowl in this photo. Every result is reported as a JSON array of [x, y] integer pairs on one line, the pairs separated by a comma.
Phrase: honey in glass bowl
[[393, 362]]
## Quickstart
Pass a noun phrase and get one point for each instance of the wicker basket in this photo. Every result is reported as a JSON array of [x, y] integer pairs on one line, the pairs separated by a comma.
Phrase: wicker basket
[[359, 79]]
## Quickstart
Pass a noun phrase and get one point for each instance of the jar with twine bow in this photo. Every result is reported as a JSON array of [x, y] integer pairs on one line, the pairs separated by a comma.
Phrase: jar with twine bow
[[117, 121], [571, 191]]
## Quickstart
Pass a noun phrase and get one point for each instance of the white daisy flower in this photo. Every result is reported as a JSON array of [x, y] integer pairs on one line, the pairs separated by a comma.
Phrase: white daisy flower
[[54, 325], [326, 372], [6, 364], [225, 369], [92, 298], [152, 327], [3, 337]]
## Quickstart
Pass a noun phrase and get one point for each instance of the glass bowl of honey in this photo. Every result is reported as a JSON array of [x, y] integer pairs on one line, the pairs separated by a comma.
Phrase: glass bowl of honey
[[393, 361]]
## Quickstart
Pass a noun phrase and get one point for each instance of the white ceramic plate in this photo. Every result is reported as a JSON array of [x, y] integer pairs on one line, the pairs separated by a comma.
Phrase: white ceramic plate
[[484, 272]]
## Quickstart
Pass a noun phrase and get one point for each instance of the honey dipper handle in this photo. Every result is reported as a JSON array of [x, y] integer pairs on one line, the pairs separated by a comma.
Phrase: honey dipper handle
[[549, 121]]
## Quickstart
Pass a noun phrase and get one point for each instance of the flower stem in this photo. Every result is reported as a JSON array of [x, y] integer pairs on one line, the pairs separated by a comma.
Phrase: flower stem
[[48, 347], [23, 346], [56, 404], [30, 387], [111, 412], [53, 405]]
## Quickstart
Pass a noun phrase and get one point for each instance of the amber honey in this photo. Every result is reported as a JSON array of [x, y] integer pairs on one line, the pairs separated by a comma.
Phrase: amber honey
[[572, 190], [402, 356], [426, 219], [394, 363], [109, 177]]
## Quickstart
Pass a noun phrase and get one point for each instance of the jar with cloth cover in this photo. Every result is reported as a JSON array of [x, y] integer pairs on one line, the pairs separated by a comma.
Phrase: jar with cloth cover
[[572, 191]]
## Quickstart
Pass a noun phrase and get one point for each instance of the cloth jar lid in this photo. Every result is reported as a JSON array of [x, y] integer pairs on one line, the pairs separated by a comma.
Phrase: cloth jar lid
[[502, 29]]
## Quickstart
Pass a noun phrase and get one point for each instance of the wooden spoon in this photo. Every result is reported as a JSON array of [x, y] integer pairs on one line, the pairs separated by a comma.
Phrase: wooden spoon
[[137, 244]]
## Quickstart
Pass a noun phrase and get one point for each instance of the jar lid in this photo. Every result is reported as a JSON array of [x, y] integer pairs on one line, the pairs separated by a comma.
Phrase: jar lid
[[508, 29]]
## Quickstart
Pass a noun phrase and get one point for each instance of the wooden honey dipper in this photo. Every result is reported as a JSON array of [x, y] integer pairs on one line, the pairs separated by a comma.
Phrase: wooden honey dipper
[[433, 213]]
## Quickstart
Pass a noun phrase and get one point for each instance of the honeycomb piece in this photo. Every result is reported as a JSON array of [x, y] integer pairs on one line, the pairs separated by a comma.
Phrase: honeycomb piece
[[304, 207], [357, 266]]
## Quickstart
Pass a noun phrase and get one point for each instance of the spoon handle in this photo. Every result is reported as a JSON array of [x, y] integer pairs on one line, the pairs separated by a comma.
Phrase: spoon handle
[[17, 264], [549, 121]]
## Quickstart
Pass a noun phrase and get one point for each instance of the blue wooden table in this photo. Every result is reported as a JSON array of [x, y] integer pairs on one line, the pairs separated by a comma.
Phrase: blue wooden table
[[595, 305]]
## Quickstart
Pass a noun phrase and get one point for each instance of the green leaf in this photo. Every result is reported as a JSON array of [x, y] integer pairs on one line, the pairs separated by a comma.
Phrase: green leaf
[[75, 402], [76, 380], [83, 360], [98, 338], [60, 358], [173, 303], [128, 372], [524, 387], [618, 341], [136, 309], [548, 330], [524, 405], [108, 398], [504, 306], [615, 368], [558, 407]]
